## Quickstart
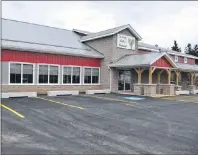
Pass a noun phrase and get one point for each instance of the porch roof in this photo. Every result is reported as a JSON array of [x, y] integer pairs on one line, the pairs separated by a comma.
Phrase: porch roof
[[187, 67], [147, 59]]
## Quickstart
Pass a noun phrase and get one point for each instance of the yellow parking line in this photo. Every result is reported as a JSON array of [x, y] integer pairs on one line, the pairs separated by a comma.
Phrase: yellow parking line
[[78, 107], [112, 99], [13, 111]]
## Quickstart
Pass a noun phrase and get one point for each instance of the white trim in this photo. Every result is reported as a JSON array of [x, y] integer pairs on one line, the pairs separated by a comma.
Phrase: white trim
[[176, 58], [71, 84], [84, 67], [39, 64], [185, 60], [109, 34], [21, 63], [145, 48]]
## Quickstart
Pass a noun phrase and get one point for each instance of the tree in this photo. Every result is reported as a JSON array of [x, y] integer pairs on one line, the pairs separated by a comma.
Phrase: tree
[[175, 47], [189, 50], [192, 51], [195, 49]]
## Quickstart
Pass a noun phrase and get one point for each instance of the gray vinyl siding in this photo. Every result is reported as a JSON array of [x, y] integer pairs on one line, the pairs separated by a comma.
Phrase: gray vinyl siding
[[5, 72]]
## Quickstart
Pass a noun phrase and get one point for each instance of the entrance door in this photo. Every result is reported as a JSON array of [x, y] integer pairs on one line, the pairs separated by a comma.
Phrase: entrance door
[[124, 80]]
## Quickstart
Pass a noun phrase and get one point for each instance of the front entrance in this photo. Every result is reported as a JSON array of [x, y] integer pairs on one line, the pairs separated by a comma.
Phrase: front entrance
[[124, 80]]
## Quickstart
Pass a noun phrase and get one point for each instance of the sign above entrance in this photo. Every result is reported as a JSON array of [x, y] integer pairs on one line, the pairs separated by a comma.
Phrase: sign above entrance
[[126, 42]]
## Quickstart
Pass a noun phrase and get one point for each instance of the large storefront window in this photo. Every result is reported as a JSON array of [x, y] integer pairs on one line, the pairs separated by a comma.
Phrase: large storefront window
[[21, 73], [48, 74], [91, 75], [71, 75]]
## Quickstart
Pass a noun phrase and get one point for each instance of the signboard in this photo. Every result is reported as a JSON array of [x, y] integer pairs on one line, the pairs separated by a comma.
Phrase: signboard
[[127, 42]]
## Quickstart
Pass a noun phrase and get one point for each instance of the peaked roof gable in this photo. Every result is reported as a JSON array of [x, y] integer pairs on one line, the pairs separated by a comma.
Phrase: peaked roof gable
[[110, 32], [146, 59]]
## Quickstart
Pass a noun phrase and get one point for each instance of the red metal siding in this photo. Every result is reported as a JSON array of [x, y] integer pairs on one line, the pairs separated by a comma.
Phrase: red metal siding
[[162, 62], [181, 60], [33, 57]]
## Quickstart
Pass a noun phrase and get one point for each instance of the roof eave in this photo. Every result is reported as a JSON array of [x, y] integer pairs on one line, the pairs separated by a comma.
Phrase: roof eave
[[50, 52]]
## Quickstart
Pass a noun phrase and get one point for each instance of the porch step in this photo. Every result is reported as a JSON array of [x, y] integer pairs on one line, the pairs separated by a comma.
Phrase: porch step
[[182, 92]]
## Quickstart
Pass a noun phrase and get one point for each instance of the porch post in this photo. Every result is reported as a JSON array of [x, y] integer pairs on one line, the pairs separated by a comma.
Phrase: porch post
[[139, 72], [192, 77], [159, 76], [169, 75], [151, 70], [177, 77]]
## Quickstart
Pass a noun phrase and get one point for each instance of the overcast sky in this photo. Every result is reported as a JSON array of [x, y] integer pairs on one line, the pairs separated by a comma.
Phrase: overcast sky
[[157, 22]]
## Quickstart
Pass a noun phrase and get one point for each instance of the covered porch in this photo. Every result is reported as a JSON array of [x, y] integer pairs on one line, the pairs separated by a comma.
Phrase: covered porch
[[155, 74]]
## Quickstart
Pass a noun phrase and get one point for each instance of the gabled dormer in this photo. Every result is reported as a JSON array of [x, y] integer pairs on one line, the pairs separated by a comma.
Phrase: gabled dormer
[[115, 42]]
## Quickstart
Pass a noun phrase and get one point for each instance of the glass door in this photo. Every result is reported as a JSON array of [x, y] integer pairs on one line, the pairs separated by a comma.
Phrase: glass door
[[124, 80]]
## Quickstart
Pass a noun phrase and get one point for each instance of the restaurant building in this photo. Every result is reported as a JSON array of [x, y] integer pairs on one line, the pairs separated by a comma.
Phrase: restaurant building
[[38, 58]]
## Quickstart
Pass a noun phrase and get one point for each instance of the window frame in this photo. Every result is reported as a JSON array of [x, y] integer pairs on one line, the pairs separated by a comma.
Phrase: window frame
[[185, 60], [48, 71], [91, 76], [176, 58], [21, 63], [71, 75]]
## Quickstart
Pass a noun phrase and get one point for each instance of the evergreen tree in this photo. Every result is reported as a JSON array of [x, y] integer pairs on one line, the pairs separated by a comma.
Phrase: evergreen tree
[[175, 47], [195, 49], [189, 49]]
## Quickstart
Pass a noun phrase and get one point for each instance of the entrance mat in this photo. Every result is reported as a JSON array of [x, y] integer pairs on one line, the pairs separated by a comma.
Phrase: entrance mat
[[134, 98]]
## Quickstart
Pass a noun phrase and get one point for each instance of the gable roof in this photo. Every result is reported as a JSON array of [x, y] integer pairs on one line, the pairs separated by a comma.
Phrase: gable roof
[[110, 32], [141, 60], [33, 37], [145, 46]]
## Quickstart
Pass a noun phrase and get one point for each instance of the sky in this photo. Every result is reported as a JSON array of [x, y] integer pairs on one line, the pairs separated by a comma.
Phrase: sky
[[157, 22]]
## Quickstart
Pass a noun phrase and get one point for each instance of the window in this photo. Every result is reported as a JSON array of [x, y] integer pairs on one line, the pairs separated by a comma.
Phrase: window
[[15, 73], [176, 58], [27, 73], [21, 73], [76, 75], [43, 73], [53, 76], [87, 75], [71, 75], [91, 75], [95, 75], [185, 60], [67, 75], [48, 74]]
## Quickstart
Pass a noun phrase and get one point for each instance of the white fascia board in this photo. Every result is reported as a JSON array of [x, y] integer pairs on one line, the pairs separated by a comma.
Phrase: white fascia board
[[145, 48], [96, 37]]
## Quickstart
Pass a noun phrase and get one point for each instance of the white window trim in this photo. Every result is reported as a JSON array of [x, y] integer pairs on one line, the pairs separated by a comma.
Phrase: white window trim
[[185, 60], [72, 75], [91, 76], [48, 74], [176, 58], [22, 63]]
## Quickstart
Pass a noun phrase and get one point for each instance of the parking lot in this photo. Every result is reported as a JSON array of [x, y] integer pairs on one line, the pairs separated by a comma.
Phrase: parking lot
[[100, 124]]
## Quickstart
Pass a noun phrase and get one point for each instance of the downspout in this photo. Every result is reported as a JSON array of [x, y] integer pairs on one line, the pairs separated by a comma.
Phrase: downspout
[[109, 78]]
